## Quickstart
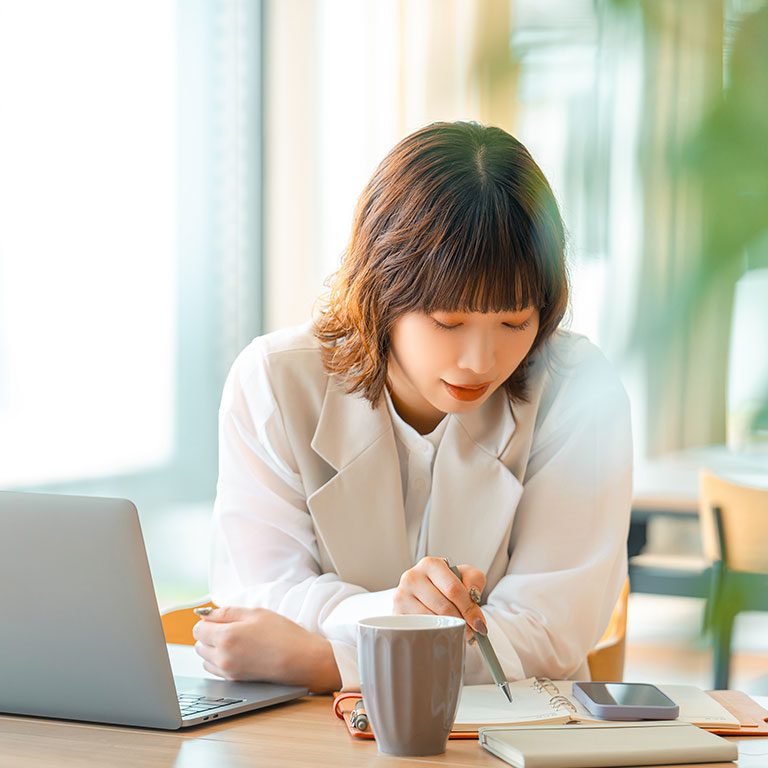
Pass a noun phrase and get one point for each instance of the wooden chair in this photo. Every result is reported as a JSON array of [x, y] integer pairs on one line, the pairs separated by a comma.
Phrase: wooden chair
[[734, 531], [606, 660]]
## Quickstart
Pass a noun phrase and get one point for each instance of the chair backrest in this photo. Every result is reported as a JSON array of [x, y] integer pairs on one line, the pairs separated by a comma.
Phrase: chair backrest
[[606, 659], [744, 513], [178, 622]]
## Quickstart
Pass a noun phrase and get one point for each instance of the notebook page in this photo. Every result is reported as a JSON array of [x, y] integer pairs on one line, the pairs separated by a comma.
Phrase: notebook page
[[699, 708], [486, 705]]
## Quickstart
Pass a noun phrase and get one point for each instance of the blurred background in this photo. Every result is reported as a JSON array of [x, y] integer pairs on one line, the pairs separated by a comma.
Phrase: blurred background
[[179, 176]]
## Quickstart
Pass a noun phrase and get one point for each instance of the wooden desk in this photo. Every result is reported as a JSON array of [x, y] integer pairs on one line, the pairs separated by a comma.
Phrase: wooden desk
[[302, 733]]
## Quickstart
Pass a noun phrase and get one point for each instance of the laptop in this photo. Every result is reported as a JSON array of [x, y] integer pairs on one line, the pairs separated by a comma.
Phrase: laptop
[[81, 636]]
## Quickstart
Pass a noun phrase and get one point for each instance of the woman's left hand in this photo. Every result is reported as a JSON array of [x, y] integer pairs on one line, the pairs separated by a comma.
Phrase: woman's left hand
[[258, 644]]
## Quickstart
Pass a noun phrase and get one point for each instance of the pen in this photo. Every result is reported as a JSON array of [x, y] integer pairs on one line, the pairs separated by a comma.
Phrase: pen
[[485, 645]]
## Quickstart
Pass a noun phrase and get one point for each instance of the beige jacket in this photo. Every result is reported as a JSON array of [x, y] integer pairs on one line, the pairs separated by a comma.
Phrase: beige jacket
[[309, 517]]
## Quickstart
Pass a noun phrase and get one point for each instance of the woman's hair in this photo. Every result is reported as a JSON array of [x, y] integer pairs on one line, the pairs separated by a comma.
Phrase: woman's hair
[[457, 217]]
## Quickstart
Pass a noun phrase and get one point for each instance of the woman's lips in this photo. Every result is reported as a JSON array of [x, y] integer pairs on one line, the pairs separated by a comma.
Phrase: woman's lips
[[466, 394]]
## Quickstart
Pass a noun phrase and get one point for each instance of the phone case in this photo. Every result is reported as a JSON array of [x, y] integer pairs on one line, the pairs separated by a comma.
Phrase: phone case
[[626, 711]]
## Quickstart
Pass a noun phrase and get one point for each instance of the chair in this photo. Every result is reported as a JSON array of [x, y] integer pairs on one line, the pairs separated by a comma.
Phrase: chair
[[178, 622], [734, 530], [606, 659], [680, 575]]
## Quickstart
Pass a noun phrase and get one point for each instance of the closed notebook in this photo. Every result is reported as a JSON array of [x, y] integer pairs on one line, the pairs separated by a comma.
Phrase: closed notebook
[[539, 700], [606, 744]]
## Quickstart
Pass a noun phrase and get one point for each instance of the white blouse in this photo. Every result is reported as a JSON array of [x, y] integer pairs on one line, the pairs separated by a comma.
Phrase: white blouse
[[416, 455], [322, 502]]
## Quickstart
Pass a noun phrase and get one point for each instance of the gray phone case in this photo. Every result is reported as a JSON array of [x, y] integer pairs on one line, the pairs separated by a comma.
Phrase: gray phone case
[[626, 711]]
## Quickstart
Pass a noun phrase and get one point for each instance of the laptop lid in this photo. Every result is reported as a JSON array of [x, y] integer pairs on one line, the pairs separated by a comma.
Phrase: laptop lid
[[81, 636]]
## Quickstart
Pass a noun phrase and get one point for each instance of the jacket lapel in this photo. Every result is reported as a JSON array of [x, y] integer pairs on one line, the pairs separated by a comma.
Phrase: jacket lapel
[[474, 495], [358, 514]]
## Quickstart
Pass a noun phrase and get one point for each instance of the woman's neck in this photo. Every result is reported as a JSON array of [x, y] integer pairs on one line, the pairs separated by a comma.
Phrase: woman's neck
[[422, 417]]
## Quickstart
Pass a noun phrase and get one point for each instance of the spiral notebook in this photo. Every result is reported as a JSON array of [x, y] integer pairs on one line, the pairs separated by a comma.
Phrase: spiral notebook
[[541, 701]]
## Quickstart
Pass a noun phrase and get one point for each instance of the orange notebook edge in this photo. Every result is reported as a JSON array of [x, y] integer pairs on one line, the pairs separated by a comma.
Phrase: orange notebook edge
[[753, 717], [344, 713]]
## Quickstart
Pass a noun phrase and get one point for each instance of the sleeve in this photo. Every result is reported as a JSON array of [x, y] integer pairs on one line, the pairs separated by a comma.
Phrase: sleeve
[[264, 550], [568, 557]]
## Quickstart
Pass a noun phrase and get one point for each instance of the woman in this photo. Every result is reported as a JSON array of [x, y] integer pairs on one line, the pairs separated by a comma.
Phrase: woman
[[433, 410]]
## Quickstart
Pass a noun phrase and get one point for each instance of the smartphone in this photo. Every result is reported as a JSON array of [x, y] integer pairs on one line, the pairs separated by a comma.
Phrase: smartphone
[[625, 701]]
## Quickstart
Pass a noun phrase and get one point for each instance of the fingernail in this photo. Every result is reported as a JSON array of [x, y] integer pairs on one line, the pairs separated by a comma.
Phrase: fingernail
[[480, 628], [204, 610], [471, 640], [474, 593]]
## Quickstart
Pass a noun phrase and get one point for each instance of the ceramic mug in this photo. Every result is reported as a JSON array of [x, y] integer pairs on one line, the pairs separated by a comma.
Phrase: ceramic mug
[[411, 669]]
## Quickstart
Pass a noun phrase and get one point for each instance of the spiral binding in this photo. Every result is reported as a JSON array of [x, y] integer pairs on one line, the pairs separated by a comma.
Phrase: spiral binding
[[545, 685], [557, 701], [561, 703]]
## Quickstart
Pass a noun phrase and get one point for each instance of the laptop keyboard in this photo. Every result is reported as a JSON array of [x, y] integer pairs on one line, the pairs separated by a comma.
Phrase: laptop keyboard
[[191, 704]]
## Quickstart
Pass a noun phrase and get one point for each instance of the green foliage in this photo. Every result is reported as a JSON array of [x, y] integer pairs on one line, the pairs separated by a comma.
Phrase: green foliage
[[728, 155]]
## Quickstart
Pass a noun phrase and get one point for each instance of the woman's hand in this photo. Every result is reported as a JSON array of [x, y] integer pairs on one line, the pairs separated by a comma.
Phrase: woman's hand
[[431, 587], [257, 644]]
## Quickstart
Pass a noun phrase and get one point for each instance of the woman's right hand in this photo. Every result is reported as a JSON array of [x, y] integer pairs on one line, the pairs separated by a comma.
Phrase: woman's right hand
[[431, 587]]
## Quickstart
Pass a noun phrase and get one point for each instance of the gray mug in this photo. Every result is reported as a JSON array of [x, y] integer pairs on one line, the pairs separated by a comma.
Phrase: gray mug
[[411, 668]]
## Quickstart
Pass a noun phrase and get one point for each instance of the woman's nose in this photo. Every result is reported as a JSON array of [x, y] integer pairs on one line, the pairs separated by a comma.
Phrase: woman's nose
[[478, 355]]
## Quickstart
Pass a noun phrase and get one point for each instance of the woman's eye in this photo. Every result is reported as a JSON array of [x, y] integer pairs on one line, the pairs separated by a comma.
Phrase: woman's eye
[[518, 327], [445, 326]]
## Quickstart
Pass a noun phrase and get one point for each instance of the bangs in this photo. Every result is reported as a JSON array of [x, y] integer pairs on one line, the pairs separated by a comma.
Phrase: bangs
[[488, 259]]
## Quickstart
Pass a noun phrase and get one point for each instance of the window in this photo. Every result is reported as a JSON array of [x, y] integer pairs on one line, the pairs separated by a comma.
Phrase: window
[[129, 254]]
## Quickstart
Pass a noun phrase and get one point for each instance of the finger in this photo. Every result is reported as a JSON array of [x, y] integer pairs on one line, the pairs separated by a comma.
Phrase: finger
[[203, 641], [472, 577], [226, 614], [218, 661], [454, 590], [435, 599], [206, 652], [213, 660], [408, 603], [416, 582], [213, 669], [207, 632]]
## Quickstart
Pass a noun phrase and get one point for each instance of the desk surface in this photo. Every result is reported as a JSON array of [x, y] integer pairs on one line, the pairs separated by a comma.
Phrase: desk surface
[[302, 733]]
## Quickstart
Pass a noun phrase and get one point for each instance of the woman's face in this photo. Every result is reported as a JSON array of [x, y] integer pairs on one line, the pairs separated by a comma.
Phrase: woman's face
[[452, 362]]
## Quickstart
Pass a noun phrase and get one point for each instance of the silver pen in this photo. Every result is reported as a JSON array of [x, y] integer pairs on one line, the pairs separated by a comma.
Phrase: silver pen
[[485, 645]]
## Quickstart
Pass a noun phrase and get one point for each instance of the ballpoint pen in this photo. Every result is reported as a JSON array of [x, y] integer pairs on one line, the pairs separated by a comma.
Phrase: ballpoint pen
[[485, 645]]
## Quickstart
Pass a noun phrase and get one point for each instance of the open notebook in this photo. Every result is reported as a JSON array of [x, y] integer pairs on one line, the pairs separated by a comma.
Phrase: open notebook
[[539, 700]]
